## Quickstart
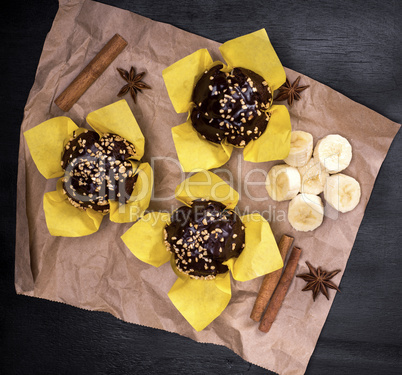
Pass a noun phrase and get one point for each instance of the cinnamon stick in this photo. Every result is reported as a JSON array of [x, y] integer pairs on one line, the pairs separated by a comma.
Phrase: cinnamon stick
[[280, 291], [270, 281], [90, 73]]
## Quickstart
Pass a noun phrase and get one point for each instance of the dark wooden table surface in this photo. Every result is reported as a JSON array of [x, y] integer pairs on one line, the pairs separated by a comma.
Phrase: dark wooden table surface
[[354, 47]]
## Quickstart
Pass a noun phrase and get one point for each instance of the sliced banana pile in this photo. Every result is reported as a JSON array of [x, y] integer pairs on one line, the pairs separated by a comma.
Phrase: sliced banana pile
[[311, 173]]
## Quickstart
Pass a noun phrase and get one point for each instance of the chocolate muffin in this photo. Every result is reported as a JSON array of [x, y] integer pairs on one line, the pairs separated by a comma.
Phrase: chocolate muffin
[[231, 106], [203, 236], [97, 169]]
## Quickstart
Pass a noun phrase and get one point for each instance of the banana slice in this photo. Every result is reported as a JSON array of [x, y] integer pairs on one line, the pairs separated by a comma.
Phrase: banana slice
[[342, 192], [305, 212], [301, 148], [313, 177], [334, 152], [283, 182]]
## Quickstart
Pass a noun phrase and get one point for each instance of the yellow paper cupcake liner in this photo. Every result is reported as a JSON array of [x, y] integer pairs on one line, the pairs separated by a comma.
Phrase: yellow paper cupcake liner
[[202, 301], [252, 51], [46, 143]]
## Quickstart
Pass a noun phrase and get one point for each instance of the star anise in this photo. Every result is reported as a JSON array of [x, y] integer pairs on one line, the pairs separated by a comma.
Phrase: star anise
[[318, 281], [134, 83], [291, 92]]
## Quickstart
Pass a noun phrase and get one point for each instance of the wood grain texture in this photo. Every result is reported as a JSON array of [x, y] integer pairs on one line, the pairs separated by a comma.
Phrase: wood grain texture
[[353, 47]]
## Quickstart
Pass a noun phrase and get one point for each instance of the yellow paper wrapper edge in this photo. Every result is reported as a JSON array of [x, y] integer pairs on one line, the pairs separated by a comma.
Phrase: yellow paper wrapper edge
[[46, 143], [260, 255], [254, 51], [201, 301], [63, 219], [195, 153], [206, 185], [145, 238], [181, 77], [117, 118], [274, 143]]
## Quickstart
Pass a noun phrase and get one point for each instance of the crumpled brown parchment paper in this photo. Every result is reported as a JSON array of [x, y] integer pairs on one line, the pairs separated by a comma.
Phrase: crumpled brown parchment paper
[[98, 272]]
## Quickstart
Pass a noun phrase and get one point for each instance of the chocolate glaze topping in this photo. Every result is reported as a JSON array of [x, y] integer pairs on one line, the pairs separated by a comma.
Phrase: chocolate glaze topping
[[231, 106], [97, 169], [203, 236]]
